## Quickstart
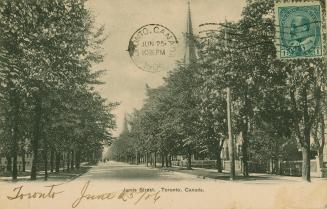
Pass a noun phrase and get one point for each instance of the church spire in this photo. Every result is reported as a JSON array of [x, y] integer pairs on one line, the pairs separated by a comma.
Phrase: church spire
[[125, 125], [189, 56]]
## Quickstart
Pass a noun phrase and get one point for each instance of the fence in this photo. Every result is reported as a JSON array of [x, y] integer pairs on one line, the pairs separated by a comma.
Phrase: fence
[[196, 163], [287, 168], [294, 168]]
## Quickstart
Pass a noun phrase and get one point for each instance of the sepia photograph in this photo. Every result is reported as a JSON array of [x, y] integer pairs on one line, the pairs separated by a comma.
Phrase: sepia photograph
[[175, 104]]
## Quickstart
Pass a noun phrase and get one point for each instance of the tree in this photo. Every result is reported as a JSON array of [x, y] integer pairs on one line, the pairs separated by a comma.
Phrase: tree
[[182, 85], [47, 51], [303, 77], [248, 63], [212, 124]]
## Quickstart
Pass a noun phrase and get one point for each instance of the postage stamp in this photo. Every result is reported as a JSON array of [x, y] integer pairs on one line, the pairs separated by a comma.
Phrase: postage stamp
[[298, 30], [152, 47]]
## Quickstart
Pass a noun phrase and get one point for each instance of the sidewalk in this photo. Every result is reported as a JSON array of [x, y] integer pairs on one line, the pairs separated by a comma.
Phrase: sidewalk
[[256, 178]]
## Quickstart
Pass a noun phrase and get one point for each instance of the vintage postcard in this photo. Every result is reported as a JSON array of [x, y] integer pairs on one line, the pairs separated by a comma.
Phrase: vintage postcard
[[175, 104]]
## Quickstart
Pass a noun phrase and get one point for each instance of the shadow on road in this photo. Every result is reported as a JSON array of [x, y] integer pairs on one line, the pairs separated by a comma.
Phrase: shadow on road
[[66, 175]]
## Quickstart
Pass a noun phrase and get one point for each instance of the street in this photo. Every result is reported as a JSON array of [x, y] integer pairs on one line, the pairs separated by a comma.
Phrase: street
[[121, 171], [184, 188], [274, 191], [113, 171]]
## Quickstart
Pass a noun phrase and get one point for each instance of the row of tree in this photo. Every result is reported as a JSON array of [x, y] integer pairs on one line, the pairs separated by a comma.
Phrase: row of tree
[[48, 104], [277, 105]]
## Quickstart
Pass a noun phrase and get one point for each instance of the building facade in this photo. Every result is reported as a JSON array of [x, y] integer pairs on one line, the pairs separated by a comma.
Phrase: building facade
[[20, 166]]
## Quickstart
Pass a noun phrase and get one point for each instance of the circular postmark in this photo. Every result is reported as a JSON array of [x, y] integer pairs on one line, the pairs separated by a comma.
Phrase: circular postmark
[[153, 47]]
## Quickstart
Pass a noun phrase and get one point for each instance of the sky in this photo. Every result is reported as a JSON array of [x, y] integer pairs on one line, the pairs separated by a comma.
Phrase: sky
[[124, 81]]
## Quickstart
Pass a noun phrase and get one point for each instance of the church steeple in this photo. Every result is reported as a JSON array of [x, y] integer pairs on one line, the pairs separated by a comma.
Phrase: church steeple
[[125, 125], [190, 55]]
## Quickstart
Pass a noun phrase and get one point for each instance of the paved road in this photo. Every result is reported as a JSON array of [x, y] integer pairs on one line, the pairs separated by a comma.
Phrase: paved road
[[122, 171]]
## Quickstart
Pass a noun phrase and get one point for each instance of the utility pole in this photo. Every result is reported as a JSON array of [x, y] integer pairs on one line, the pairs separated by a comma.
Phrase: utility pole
[[230, 137], [229, 122]]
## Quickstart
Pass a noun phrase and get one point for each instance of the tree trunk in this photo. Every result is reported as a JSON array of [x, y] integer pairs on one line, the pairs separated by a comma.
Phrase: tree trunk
[[306, 155], [189, 160], [64, 156], [306, 140], [306, 164], [137, 158], [322, 143], [276, 165], [36, 136], [13, 126], [170, 158], [45, 155], [147, 159], [166, 155], [9, 164], [279, 171], [321, 157], [155, 159], [14, 169], [72, 159], [15, 149], [23, 160], [57, 161], [162, 160], [219, 165], [271, 165], [51, 161], [35, 148], [245, 168], [244, 131], [78, 159], [15, 104], [68, 160]]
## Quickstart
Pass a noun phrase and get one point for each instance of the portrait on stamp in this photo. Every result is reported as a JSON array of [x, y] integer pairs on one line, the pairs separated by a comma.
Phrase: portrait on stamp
[[299, 29]]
